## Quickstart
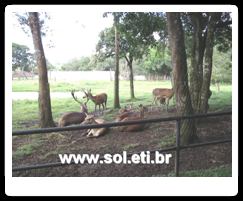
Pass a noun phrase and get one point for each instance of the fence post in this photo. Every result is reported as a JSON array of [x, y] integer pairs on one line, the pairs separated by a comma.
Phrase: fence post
[[177, 152]]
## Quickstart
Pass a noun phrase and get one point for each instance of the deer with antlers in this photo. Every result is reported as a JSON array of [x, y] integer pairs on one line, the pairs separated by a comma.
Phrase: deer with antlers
[[69, 118], [163, 95], [99, 99], [95, 132]]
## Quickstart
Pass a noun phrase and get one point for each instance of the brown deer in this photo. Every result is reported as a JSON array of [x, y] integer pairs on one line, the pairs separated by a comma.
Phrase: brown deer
[[163, 95], [69, 118], [125, 112], [126, 109], [134, 127], [95, 132], [99, 99]]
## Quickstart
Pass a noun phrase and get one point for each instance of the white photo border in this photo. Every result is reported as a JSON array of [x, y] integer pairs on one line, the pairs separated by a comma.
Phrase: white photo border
[[143, 186]]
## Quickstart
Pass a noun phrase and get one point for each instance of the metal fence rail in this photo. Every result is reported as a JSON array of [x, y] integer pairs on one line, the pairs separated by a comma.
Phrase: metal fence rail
[[177, 148], [115, 124]]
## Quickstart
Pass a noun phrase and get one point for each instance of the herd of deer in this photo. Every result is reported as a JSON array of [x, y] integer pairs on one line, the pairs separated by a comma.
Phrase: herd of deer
[[129, 113]]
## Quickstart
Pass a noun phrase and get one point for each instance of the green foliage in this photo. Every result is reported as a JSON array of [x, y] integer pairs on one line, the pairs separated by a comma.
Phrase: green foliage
[[222, 67], [44, 17], [157, 62], [221, 171], [88, 63], [223, 33], [106, 45], [22, 59], [81, 64], [136, 35], [107, 64]]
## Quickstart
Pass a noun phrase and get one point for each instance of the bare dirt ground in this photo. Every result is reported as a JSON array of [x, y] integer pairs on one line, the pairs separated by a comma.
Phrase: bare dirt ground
[[155, 137]]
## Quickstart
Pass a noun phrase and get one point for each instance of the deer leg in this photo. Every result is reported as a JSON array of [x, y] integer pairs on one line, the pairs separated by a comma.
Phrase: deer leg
[[99, 109], [153, 102], [103, 107], [156, 101], [167, 105], [85, 132], [90, 134]]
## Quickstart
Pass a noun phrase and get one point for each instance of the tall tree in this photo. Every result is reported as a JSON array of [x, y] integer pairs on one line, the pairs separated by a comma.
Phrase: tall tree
[[208, 62], [207, 29], [45, 113], [180, 78], [136, 35], [116, 82], [197, 51]]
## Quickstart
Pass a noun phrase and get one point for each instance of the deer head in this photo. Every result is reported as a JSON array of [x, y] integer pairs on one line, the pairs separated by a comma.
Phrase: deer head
[[88, 119]]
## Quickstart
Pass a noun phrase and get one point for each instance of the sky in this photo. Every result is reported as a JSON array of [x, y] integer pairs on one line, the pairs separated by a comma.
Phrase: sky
[[74, 34]]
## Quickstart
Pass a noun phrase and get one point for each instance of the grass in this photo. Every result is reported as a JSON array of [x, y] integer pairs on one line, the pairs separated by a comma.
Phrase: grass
[[168, 140], [25, 112], [222, 99], [28, 148], [130, 146], [221, 171], [59, 86]]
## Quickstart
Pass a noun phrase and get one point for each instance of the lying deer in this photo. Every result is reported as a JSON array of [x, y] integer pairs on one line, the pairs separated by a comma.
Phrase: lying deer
[[99, 99], [95, 132], [69, 118], [134, 127], [126, 109], [125, 112], [163, 95]]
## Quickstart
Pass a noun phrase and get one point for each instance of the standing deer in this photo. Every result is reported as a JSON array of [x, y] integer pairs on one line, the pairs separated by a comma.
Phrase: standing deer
[[134, 127], [99, 99], [69, 118], [163, 95], [95, 132]]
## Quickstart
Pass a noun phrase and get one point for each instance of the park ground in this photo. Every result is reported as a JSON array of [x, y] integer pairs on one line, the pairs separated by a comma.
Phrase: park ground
[[35, 149]]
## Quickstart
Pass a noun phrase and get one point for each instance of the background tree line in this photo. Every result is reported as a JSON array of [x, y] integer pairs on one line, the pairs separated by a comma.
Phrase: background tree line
[[156, 65]]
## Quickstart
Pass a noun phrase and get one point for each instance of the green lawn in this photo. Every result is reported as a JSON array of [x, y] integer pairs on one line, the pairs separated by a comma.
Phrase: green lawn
[[220, 171], [58, 86], [25, 112]]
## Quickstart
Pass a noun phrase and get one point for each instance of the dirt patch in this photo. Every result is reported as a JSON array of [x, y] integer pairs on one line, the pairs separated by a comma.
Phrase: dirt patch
[[156, 136]]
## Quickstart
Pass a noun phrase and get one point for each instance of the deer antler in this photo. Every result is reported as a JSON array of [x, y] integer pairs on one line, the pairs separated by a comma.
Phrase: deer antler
[[75, 97], [86, 95]]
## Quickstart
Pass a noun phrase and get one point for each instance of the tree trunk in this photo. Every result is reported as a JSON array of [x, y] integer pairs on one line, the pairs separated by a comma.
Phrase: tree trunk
[[129, 64], [179, 65], [116, 83], [208, 59], [45, 113], [196, 70]]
